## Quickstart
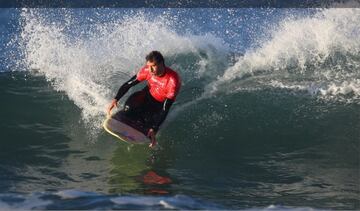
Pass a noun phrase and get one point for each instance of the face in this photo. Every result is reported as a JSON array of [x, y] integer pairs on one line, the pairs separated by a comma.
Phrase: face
[[156, 69]]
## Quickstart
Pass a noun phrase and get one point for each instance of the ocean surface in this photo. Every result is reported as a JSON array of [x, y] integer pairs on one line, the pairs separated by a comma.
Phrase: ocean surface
[[268, 116]]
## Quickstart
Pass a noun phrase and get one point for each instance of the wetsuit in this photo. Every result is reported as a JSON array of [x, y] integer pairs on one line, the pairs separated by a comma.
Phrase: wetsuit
[[151, 105]]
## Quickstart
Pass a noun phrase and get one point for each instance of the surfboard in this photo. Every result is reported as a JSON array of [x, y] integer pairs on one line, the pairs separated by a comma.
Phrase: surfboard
[[126, 130]]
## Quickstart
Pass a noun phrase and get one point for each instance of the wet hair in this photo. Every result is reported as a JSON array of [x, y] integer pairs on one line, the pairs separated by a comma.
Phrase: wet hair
[[155, 56]]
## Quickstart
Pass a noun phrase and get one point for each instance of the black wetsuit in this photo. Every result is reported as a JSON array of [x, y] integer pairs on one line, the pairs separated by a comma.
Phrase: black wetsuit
[[142, 108]]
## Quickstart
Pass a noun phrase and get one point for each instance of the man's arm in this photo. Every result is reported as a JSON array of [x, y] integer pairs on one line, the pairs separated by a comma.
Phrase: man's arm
[[158, 120], [121, 92], [125, 87], [161, 116]]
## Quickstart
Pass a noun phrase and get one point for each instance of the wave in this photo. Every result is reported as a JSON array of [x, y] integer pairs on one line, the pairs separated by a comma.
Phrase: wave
[[90, 61], [88, 58], [75, 199], [320, 50]]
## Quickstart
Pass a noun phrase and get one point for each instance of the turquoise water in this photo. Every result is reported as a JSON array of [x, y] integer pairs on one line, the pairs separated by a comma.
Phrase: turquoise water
[[267, 123]]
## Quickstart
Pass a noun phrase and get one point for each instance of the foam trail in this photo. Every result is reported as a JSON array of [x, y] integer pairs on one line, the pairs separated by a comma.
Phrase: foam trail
[[320, 50]]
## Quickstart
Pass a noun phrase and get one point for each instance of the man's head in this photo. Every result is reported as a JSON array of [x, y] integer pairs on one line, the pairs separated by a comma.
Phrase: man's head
[[155, 61]]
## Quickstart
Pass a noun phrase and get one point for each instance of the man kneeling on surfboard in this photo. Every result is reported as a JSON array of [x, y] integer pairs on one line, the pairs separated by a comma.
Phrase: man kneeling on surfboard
[[152, 104]]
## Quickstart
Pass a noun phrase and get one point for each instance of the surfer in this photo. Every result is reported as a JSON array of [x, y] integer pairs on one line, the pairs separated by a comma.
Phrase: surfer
[[153, 102]]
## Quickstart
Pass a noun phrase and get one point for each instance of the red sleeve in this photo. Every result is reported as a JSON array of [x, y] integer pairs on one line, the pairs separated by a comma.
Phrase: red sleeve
[[142, 74], [173, 87]]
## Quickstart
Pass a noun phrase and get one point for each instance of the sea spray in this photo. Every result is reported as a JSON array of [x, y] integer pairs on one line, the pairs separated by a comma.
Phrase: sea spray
[[314, 51], [89, 62]]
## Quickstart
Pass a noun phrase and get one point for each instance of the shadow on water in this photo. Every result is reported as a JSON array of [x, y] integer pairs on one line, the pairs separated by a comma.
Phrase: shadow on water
[[33, 142]]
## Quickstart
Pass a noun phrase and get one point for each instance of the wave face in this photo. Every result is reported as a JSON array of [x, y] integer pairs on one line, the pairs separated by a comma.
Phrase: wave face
[[267, 116], [88, 54]]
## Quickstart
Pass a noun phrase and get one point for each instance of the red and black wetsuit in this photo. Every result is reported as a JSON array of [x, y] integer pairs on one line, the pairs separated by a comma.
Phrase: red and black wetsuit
[[152, 104]]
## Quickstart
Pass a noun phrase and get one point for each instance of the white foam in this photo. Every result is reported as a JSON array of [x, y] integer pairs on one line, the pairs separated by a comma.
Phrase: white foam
[[344, 88], [347, 91], [90, 65], [166, 205], [144, 201], [73, 194], [324, 47]]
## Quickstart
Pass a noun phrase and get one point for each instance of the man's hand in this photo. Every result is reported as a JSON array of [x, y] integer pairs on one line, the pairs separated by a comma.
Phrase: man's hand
[[111, 106], [152, 134]]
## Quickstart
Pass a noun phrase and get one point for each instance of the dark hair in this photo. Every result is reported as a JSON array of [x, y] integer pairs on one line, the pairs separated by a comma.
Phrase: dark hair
[[155, 56]]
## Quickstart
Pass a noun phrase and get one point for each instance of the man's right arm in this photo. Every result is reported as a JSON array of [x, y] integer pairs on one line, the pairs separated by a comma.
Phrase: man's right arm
[[125, 87], [122, 91]]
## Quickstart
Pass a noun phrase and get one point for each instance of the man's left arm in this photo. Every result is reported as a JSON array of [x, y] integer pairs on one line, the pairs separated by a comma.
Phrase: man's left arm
[[161, 116], [158, 120]]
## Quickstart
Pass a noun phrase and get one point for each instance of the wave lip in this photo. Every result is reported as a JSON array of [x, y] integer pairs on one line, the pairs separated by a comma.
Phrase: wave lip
[[319, 50]]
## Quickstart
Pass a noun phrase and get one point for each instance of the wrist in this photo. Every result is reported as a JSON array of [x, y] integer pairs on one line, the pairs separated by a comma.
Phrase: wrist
[[153, 130]]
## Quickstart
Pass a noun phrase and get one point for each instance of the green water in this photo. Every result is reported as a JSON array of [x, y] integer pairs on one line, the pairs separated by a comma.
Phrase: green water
[[249, 149]]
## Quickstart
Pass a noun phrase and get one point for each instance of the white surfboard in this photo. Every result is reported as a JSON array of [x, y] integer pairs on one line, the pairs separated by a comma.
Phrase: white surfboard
[[124, 132]]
